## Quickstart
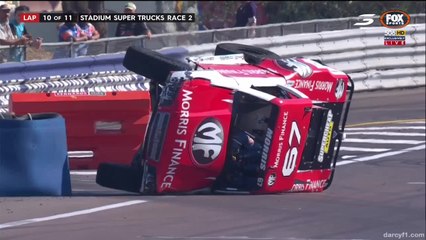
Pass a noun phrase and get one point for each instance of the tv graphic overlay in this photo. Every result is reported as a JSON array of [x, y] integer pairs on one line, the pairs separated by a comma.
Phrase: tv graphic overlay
[[365, 19], [391, 19], [395, 37], [395, 19], [107, 17]]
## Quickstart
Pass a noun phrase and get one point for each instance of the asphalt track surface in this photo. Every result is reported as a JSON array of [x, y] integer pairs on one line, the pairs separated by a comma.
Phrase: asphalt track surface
[[378, 192]]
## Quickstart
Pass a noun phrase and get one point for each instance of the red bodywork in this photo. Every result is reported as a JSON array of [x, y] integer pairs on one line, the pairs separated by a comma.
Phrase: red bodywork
[[182, 156]]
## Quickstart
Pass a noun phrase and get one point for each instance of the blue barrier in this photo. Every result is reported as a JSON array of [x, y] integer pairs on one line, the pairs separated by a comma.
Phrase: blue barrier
[[34, 156]]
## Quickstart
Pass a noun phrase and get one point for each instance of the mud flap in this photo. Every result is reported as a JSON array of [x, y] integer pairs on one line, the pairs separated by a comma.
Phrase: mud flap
[[119, 176], [152, 64]]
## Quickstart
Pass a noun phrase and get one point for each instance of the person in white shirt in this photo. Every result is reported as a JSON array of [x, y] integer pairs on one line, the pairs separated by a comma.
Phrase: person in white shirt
[[6, 35]]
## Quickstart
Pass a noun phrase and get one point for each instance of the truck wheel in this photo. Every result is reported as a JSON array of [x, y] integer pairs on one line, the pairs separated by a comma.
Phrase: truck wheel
[[234, 48], [152, 64], [119, 176]]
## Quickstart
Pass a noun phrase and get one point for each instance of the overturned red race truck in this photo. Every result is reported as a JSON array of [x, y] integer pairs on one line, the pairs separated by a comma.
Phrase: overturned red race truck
[[242, 121]]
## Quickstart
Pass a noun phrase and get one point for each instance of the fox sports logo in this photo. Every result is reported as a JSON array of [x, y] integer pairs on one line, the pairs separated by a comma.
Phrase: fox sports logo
[[208, 141]]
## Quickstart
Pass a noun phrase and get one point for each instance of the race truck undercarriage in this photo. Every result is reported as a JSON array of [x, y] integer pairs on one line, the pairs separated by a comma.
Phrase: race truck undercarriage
[[242, 121]]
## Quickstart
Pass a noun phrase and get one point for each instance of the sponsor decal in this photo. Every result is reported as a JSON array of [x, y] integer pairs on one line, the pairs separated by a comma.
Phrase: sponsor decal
[[312, 85], [272, 179], [327, 132], [184, 113], [394, 37], [322, 66], [259, 181], [291, 83], [207, 142], [280, 141], [293, 64], [265, 150], [170, 90], [245, 72], [340, 88], [327, 144], [291, 155], [179, 144], [62, 94], [309, 185], [221, 59], [395, 19]]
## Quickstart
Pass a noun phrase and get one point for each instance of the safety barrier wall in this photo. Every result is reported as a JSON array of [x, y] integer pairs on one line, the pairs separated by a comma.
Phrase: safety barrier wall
[[361, 53], [102, 73]]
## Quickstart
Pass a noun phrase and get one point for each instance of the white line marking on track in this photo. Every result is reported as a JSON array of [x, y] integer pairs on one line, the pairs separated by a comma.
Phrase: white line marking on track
[[357, 149], [387, 134], [219, 237], [413, 122], [83, 172], [415, 183], [381, 155], [70, 214], [387, 141], [348, 156], [383, 128]]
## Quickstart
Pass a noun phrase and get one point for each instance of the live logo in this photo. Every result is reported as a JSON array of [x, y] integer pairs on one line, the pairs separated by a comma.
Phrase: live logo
[[29, 17], [394, 43]]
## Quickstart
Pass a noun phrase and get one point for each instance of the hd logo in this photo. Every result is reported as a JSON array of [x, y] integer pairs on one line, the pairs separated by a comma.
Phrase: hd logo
[[392, 33]]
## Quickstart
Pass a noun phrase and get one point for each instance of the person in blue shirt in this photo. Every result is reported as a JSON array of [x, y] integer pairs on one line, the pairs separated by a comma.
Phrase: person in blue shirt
[[19, 30]]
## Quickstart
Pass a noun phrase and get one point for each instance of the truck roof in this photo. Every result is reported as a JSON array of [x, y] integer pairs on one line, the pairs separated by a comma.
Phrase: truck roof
[[233, 72]]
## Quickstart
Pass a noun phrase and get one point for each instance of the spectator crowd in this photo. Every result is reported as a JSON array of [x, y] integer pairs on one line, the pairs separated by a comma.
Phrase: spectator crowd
[[210, 15]]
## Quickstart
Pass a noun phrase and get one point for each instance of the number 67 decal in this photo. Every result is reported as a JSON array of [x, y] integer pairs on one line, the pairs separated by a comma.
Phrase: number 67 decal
[[291, 155]]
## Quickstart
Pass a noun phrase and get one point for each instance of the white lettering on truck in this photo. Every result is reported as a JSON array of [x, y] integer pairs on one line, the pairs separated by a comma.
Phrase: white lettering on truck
[[265, 150], [180, 144], [280, 141]]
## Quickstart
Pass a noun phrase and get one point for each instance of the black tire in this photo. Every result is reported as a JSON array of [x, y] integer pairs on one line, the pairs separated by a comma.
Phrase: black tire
[[152, 64], [119, 176], [253, 52]]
